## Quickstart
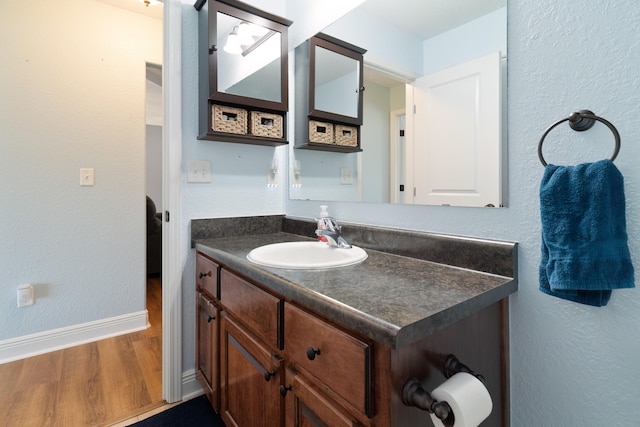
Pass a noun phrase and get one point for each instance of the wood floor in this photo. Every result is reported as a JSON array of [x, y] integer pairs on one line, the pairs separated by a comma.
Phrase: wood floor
[[95, 384]]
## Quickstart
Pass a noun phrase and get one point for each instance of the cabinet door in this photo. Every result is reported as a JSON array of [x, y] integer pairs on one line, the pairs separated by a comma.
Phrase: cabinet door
[[306, 406], [208, 349], [250, 380]]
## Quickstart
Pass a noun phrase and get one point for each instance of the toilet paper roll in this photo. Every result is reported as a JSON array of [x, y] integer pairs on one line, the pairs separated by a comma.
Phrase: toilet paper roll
[[468, 398]]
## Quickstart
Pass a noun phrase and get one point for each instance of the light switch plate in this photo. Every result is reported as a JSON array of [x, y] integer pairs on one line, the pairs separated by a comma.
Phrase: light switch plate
[[346, 176], [87, 177], [199, 171], [25, 295]]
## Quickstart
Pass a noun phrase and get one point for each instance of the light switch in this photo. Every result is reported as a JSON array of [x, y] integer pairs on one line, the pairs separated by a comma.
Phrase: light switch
[[87, 177], [199, 171]]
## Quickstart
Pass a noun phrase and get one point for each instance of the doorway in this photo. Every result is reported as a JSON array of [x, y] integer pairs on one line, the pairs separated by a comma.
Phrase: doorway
[[153, 187]]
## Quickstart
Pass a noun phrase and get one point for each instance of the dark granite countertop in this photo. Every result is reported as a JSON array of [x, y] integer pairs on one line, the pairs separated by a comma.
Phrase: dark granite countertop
[[390, 298]]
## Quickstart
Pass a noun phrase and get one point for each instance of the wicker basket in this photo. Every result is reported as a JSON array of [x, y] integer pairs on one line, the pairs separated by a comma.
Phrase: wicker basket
[[347, 135], [265, 124], [321, 132], [229, 119]]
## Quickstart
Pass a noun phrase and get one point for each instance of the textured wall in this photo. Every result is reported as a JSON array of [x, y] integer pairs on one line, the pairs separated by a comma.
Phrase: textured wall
[[72, 95], [572, 365]]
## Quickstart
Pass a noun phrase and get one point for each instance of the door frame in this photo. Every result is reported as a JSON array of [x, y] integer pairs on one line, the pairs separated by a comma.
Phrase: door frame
[[396, 157], [171, 203]]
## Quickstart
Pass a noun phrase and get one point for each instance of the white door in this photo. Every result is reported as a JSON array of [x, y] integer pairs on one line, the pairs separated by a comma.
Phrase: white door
[[456, 135]]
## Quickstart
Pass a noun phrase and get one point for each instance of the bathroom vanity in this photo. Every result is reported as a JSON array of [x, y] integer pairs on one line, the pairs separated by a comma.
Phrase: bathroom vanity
[[336, 347]]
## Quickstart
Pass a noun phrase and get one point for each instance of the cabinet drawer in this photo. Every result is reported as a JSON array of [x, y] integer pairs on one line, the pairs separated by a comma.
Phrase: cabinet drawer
[[256, 309], [339, 360], [207, 275]]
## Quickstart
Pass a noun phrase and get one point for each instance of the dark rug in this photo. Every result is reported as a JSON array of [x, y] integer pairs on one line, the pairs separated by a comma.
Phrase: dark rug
[[195, 412]]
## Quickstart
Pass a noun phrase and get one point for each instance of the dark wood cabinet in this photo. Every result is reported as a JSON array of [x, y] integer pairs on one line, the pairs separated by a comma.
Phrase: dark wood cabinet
[[207, 357], [307, 406], [208, 329], [329, 95], [243, 84], [268, 361], [250, 381], [338, 361]]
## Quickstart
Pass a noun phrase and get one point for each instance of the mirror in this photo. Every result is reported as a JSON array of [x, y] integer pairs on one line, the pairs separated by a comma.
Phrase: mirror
[[398, 57], [335, 81], [249, 62], [247, 56]]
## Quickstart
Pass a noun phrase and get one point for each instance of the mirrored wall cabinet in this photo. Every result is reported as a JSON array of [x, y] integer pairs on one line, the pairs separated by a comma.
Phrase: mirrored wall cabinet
[[243, 73], [329, 92]]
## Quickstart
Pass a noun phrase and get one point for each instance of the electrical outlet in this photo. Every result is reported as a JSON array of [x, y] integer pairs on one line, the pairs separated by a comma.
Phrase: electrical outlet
[[272, 179], [272, 176], [26, 296], [297, 174]]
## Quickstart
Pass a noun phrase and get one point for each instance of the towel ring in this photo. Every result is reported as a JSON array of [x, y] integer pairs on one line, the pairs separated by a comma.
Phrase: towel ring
[[580, 121]]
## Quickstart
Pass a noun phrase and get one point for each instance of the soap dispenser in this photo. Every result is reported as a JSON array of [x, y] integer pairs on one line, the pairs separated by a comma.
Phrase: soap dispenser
[[323, 223]]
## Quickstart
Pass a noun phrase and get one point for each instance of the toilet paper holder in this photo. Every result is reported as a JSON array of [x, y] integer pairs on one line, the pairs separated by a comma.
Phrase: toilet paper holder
[[413, 394]]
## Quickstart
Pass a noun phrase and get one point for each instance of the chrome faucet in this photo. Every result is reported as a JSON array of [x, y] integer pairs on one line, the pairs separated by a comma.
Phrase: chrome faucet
[[332, 233]]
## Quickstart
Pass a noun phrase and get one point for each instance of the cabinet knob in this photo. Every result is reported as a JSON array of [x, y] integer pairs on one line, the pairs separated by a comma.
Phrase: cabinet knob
[[284, 389], [211, 318], [205, 274], [268, 375], [311, 353]]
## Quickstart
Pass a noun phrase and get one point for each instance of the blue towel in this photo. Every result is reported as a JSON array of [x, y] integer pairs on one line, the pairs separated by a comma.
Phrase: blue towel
[[584, 234]]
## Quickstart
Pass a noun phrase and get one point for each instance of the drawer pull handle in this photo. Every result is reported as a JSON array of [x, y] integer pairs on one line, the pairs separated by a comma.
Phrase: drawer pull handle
[[284, 389], [311, 353], [211, 318], [268, 375], [205, 274]]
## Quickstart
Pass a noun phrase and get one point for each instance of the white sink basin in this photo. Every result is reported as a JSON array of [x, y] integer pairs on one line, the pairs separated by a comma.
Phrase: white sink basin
[[305, 255]]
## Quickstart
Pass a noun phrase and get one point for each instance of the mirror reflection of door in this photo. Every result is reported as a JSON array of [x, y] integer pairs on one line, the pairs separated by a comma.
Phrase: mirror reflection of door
[[461, 164]]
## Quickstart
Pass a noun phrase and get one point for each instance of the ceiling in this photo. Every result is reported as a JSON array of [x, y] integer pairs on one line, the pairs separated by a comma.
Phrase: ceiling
[[137, 7], [422, 18], [427, 18]]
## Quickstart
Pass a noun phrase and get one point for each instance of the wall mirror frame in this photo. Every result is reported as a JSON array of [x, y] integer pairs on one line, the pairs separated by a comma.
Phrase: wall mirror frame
[[399, 160], [238, 101], [329, 95], [339, 50]]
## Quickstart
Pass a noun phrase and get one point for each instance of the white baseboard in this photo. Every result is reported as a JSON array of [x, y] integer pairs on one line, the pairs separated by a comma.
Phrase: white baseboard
[[190, 386], [57, 339]]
